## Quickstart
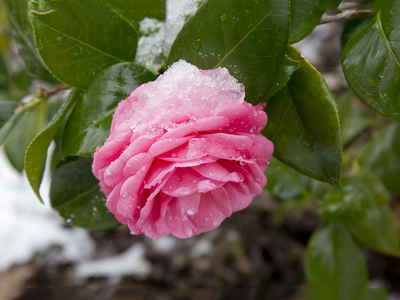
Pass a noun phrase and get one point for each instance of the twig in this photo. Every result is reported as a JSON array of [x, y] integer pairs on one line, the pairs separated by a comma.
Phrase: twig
[[347, 15], [54, 91]]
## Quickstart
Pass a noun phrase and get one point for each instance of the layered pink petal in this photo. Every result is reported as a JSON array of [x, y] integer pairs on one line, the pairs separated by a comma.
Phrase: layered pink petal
[[184, 153]]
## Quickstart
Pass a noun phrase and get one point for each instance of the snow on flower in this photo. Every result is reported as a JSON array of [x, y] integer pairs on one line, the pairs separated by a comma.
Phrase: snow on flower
[[184, 152]]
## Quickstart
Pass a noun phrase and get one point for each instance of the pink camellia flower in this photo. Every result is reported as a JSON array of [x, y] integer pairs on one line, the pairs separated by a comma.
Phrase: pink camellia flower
[[184, 152]]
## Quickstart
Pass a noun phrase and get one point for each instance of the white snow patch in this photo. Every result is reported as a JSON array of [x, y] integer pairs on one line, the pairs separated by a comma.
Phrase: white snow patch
[[131, 262], [28, 227], [164, 245], [158, 37]]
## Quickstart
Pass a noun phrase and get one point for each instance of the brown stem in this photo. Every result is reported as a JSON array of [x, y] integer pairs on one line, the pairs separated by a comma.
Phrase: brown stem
[[56, 90], [347, 15]]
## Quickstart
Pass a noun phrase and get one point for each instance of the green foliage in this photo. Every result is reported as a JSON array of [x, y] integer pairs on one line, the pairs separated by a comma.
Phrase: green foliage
[[363, 205], [382, 155], [305, 15], [76, 195], [371, 62], [304, 126], [77, 39], [89, 123], [36, 153], [24, 129], [334, 265], [248, 39], [17, 13], [353, 119]]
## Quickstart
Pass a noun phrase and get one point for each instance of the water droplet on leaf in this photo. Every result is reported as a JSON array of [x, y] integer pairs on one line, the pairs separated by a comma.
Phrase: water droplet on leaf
[[197, 44]]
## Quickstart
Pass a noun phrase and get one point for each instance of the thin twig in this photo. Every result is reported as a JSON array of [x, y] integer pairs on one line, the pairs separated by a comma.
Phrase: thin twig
[[56, 90], [347, 15]]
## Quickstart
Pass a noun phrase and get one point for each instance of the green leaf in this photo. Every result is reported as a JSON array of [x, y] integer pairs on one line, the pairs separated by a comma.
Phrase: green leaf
[[35, 156], [89, 123], [285, 72], [17, 12], [373, 294], [7, 109], [334, 265], [382, 155], [353, 119], [248, 39], [362, 204], [77, 39], [23, 131], [303, 124], [136, 10], [286, 183], [305, 15], [76, 195], [9, 125], [371, 62], [4, 77]]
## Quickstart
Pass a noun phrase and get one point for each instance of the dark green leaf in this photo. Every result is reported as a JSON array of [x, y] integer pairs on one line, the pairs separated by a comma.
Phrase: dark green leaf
[[89, 123], [286, 183], [77, 39], [17, 12], [371, 62], [288, 67], [136, 10], [306, 15], [353, 119], [76, 195], [248, 39], [35, 156], [362, 204], [382, 155], [30, 123], [304, 126], [334, 265]]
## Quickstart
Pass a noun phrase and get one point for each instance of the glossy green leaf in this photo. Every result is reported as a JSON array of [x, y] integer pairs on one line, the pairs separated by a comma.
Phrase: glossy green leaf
[[362, 204], [89, 123], [353, 119], [334, 267], [248, 39], [286, 183], [305, 15], [36, 153], [7, 109], [77, 39], [303, 124], [76, 195], [17, 13], [371, 62], [30, 123], [382, 155], [136, 10], [287, 69]]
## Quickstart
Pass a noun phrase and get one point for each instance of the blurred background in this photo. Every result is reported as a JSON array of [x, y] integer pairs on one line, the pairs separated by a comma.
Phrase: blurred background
[[258, 253]]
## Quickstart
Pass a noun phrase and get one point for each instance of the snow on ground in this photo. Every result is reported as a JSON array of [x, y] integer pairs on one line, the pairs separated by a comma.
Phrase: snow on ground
[[28, 227]]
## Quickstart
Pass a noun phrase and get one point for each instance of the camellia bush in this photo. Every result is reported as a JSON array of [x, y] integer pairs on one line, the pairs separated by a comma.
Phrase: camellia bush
[[177, 145]]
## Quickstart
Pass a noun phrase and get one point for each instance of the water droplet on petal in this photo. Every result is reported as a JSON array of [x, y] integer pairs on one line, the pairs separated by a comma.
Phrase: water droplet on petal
[[215, 223], [190, 212]]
